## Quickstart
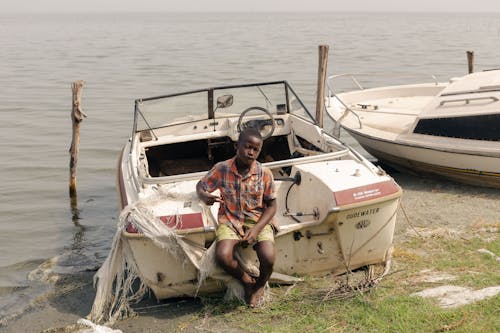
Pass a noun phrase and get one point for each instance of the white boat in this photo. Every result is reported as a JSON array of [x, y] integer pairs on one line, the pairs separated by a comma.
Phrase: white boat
[[336, 210], [447, 129]]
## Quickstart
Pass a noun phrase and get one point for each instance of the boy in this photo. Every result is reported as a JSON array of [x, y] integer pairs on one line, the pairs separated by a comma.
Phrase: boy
[[247, 206]]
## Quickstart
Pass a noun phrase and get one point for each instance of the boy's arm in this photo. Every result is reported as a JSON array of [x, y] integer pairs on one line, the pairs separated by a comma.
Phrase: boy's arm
[[206, 197], [265, 218]]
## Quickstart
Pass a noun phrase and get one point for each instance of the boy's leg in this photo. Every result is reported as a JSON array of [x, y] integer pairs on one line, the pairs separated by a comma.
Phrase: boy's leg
[[224, 254], [266, 254]]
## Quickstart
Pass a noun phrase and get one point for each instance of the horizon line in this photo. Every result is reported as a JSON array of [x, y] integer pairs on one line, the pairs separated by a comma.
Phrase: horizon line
[[86, 11]]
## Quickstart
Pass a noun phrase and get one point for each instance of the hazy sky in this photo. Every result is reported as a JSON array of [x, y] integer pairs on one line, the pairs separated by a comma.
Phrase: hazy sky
[[250, 5]]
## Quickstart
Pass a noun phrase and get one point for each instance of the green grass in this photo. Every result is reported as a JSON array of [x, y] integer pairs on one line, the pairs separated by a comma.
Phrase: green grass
[[389, 307]]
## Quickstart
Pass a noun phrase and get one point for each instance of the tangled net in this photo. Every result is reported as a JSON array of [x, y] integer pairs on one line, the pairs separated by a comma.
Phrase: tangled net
[[119, 281]]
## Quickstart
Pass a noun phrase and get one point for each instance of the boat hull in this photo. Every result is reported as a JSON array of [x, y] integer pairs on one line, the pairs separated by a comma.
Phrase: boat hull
[[467, 168], [348, 238]]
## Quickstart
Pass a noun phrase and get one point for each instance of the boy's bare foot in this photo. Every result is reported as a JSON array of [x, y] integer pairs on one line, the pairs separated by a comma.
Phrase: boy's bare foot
[[248, 286], [257, 297]]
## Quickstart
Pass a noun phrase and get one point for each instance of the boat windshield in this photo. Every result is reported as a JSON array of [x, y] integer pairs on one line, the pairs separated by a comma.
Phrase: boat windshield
[[228, 101]]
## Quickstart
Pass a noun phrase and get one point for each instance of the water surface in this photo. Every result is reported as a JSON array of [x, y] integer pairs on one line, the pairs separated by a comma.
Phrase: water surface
[[126, 56]]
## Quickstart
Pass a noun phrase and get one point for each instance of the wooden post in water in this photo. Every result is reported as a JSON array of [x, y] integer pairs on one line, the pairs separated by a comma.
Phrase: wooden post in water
[[320, 98], [76, 118], [470, 61]]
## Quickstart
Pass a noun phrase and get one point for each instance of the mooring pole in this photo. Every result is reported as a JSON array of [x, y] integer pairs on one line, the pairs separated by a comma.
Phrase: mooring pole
[[470, 61], [76, 118], [320, 98]]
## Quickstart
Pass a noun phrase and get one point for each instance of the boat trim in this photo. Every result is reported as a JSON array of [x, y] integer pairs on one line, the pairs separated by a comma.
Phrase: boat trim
[[367, 202], [201, 230], [450, 170], [402, 143], [468, 99], [122, 195], [464, 92], [466, 176]]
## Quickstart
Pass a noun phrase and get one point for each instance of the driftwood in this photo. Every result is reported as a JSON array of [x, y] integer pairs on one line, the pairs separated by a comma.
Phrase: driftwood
[[76, 118], [320, 97], [470, 61]]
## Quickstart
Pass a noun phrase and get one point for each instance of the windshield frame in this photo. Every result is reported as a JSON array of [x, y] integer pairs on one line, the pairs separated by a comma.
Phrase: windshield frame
[[288, 91]]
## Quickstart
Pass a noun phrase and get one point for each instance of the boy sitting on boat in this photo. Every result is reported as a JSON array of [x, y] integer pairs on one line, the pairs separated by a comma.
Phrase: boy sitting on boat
[[247, 206]]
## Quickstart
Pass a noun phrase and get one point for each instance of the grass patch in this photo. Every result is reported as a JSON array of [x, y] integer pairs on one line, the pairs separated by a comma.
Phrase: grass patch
[[389, 307]]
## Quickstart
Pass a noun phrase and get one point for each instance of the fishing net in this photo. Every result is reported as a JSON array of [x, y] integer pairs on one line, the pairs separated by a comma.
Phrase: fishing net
[[119, 281]]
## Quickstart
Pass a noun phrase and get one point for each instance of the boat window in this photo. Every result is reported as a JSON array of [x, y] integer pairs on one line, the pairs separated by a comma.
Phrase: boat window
[[298, 108], [482, 127], [181, 108], [268, 96]]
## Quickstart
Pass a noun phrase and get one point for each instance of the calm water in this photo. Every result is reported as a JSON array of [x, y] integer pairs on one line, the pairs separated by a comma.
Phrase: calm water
[[125, 56]]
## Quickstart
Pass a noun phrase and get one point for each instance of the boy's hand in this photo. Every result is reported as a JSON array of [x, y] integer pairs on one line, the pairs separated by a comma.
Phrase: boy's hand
[[210, 199], [251, 236]]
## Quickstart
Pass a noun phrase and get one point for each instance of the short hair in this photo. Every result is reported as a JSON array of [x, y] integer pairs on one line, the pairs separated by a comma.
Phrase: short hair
[[249, 132]]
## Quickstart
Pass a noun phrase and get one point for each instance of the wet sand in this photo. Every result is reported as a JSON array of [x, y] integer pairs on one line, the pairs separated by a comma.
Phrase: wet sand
[[428, 204]]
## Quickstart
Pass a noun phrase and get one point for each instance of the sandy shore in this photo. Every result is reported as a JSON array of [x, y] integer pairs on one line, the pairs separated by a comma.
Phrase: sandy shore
[[428, 204]]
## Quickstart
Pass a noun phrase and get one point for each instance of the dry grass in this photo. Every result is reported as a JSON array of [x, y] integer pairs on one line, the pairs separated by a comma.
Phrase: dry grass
[[352, 304]]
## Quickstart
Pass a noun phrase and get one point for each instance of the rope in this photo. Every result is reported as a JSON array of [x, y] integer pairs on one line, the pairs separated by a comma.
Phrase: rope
[[408, 220]]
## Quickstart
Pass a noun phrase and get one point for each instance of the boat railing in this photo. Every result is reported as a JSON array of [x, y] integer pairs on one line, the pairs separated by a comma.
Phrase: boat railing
[[349, 75], [467, 100], [357, 83], [352, 76], [270, 165], [331, 93]]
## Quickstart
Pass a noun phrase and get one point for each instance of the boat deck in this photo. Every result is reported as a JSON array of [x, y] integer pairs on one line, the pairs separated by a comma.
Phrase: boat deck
[[399, 112]]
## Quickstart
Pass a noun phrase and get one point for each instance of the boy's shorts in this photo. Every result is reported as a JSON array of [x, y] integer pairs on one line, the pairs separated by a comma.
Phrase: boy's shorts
[[225, 231]]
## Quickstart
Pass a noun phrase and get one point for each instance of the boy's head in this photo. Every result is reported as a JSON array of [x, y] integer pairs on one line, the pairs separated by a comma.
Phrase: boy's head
[[250, 131], [249, 146]]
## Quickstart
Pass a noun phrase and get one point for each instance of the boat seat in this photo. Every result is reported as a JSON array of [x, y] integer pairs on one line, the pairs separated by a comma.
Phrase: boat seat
[[182, 166]]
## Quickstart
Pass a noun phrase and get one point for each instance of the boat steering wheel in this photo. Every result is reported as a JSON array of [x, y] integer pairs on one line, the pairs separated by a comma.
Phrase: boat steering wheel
[[258, 124]]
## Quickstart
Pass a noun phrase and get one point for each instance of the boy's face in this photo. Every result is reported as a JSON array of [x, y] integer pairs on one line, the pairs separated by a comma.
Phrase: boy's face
[[248, 150]]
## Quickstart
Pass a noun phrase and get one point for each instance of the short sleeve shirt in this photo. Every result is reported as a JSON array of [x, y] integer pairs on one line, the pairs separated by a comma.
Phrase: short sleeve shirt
[[243, 196]]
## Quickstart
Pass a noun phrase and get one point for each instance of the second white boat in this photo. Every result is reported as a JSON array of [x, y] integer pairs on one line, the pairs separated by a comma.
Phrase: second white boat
[[448, 129]]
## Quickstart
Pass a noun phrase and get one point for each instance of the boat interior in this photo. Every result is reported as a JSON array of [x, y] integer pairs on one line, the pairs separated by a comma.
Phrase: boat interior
[[200, 155], [185, 154]]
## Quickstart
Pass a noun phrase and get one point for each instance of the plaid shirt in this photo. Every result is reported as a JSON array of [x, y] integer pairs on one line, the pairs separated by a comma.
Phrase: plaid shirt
[[243, 196]]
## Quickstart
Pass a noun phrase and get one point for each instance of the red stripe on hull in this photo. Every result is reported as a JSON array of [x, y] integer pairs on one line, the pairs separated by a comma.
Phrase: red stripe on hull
[[178, 222], [184, 221], [365, 193]]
